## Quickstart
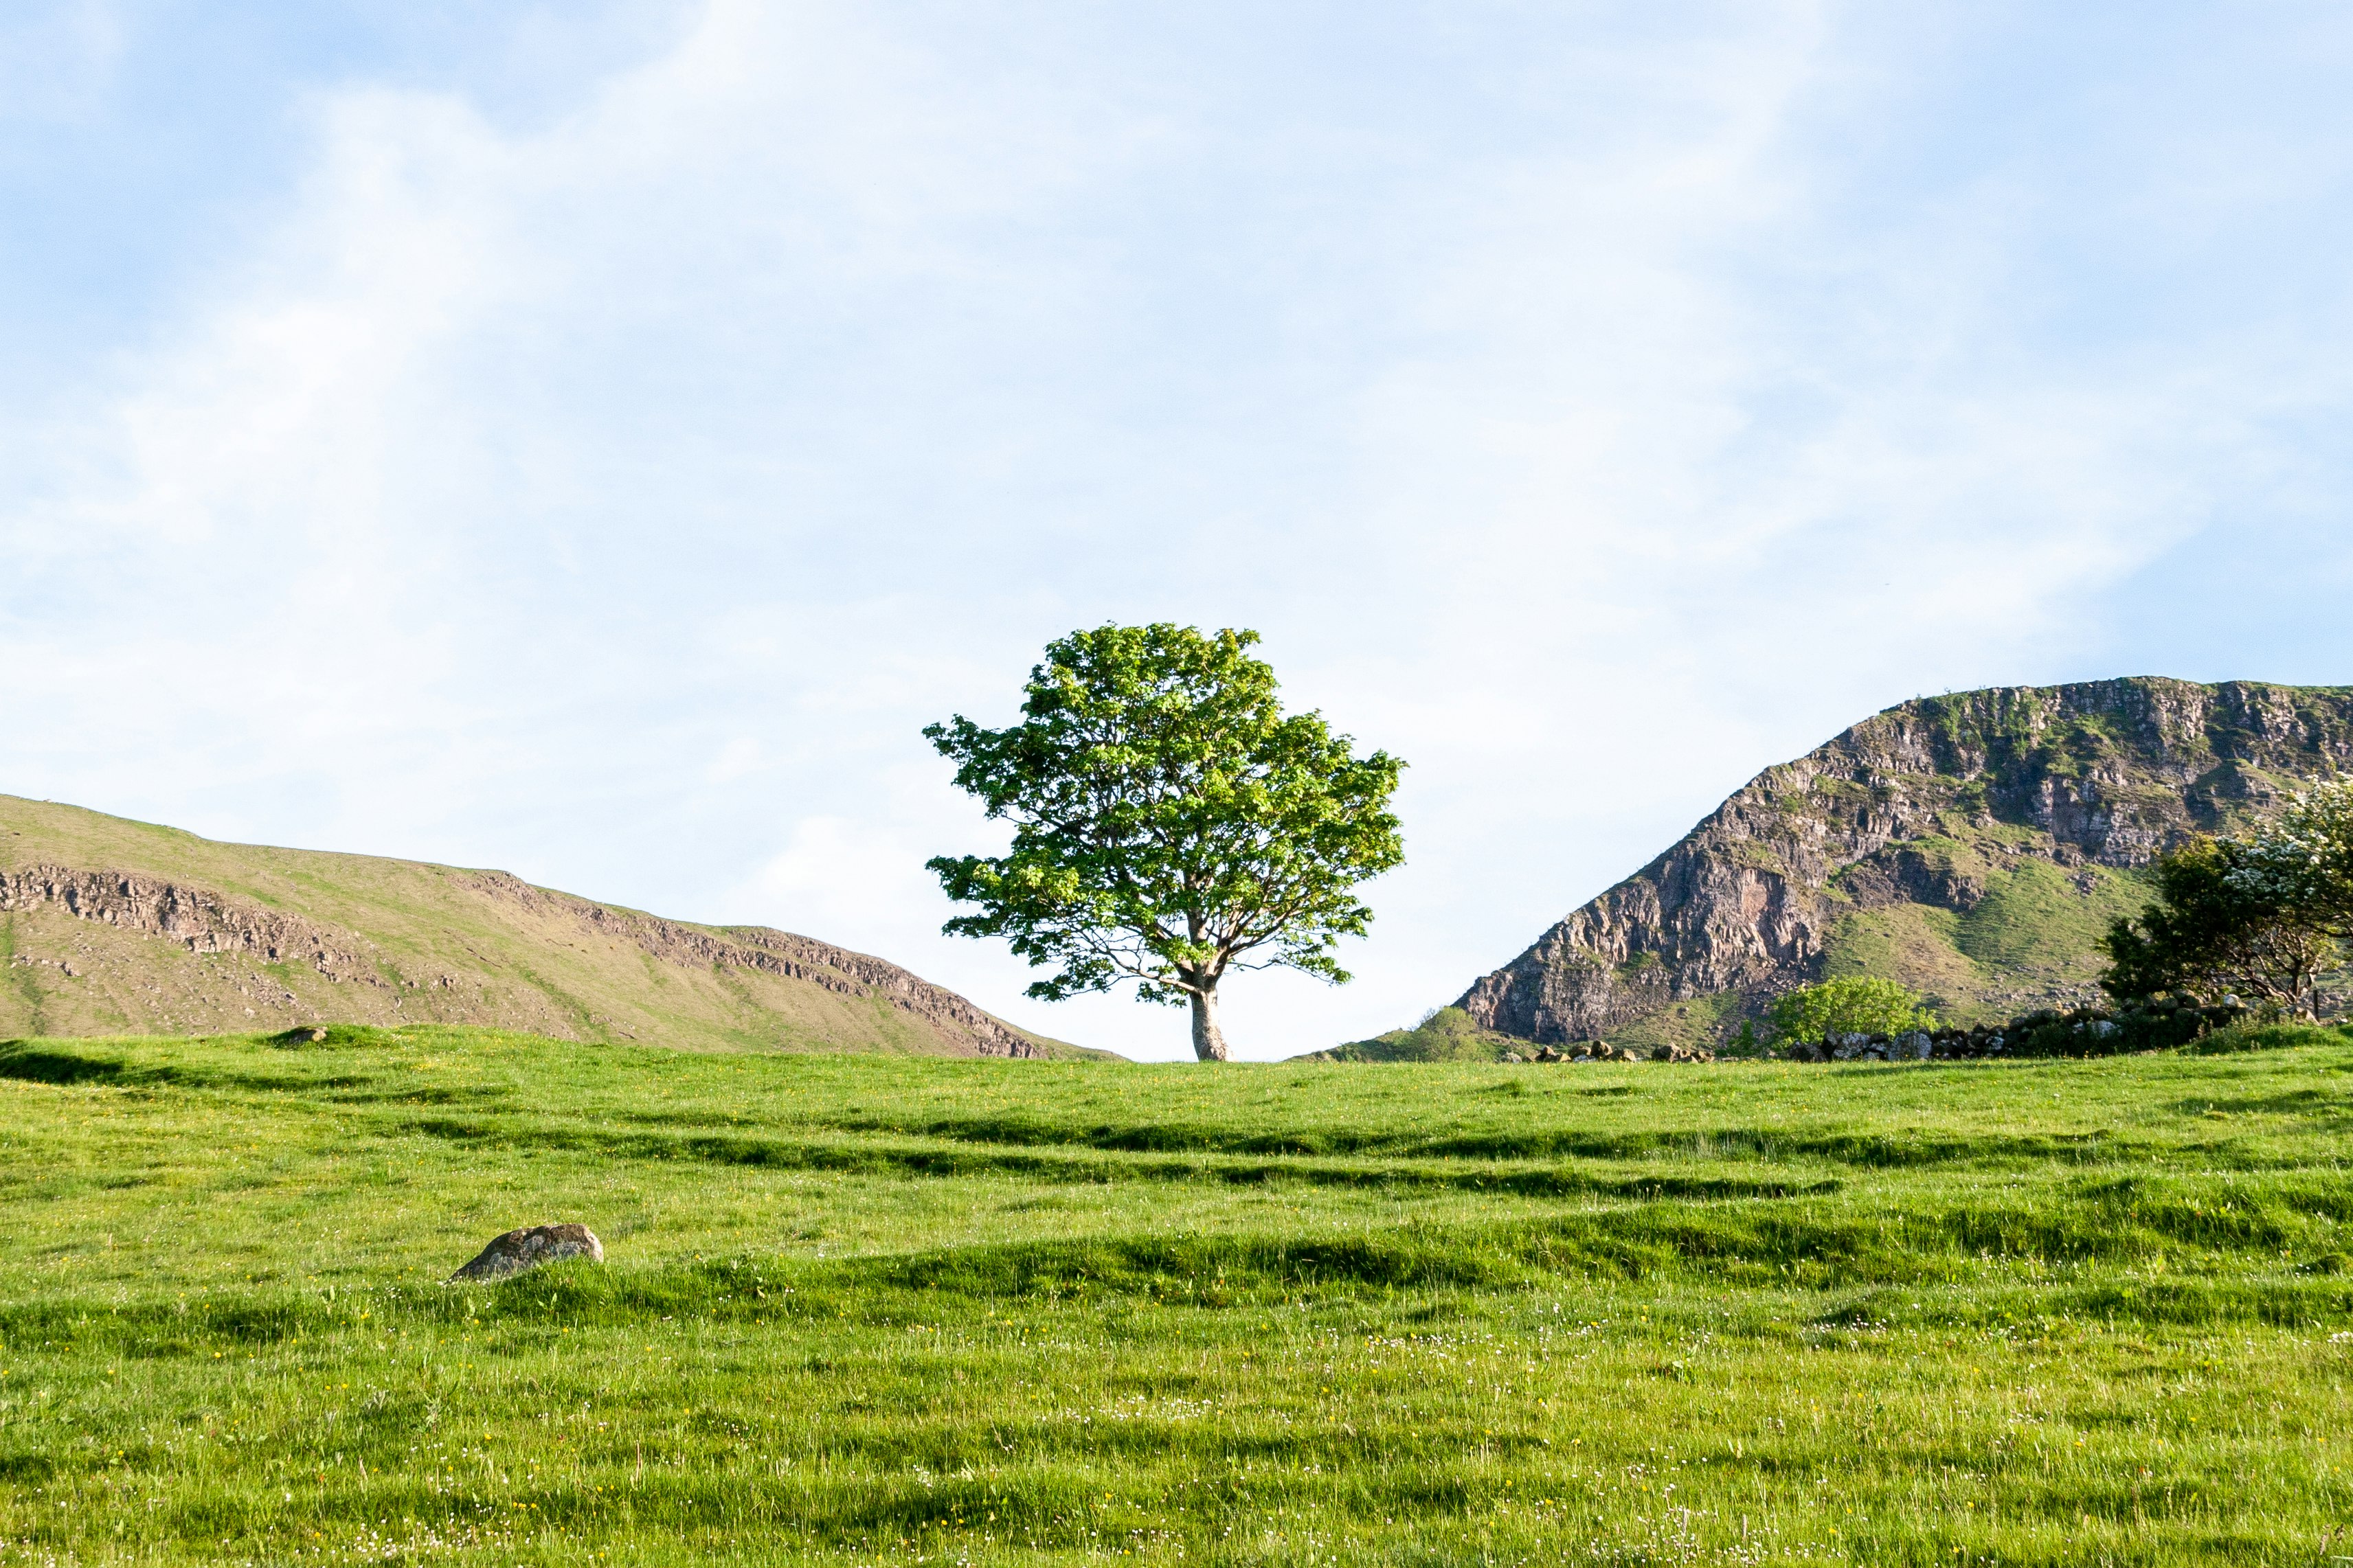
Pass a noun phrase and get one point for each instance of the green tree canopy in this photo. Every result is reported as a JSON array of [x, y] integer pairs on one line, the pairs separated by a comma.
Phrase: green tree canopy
[[1170, 822], [1850, 1004], [2303, 859], [2230, 917]]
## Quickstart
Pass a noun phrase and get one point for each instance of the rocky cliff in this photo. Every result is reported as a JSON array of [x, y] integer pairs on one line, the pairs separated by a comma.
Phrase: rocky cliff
[[109, 926], [1973, 845]]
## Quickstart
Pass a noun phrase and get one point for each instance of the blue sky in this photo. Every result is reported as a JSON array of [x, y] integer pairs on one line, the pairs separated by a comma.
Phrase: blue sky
[[593, 440]]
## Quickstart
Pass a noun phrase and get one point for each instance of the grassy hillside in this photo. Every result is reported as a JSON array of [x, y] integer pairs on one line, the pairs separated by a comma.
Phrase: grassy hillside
[[865, 1310], [108, 926], [1448, 1035], [2029, 939]]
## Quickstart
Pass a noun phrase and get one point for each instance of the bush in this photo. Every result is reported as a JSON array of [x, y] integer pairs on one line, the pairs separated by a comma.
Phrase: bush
[[1851, 1005]]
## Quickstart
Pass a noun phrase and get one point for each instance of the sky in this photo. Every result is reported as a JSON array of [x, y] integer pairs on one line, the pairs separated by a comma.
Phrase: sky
[[593, 440]]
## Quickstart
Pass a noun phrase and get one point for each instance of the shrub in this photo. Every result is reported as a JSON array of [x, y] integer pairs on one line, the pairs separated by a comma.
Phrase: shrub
[[1851, 1004]]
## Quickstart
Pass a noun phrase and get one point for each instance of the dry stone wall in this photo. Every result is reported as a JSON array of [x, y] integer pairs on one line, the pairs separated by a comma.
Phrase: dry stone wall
[[2085, 1032]]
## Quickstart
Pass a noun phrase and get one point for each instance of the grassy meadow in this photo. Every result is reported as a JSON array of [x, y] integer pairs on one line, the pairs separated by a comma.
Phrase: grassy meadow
[[881, 1309]]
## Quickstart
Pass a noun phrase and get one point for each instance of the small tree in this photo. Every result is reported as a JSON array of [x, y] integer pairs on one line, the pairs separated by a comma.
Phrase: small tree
[[2302, 861], [1850, 1004], [1170, 823], [2230, 917]]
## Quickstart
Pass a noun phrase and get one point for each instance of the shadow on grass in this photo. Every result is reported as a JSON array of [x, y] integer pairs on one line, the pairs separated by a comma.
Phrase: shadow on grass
[[1901, 1150], [955, 1162], [44, 1063], [31, 1063], [1990, 1247]]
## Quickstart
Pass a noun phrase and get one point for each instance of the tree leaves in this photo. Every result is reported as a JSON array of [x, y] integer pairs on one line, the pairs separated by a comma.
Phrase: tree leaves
[[2230, 917], [1170, 821], [2303, 860], [1850, 1004]]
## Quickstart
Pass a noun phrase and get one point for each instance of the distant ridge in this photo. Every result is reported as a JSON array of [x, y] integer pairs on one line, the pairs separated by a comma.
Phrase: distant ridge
[[109, 926], [1973, 845]]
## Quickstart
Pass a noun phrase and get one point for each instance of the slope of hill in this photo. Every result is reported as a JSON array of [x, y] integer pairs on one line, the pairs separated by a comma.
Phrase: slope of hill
[[109, 926], [1973, 846]]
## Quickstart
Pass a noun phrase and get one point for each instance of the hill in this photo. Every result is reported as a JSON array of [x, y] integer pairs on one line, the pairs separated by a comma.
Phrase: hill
[[1972, 845], [109, 926], [858, 1308], [1447, 1035]]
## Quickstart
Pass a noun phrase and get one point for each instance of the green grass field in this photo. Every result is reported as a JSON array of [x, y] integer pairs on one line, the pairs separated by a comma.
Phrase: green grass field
[[885, 1310]]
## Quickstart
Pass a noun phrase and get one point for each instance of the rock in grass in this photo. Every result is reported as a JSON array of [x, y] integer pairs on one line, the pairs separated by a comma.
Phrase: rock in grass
[[528, 1248]]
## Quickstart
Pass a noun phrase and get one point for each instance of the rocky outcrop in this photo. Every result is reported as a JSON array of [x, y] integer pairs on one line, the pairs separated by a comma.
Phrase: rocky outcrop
[[197, 918], [1924, 804], [530, 1247]]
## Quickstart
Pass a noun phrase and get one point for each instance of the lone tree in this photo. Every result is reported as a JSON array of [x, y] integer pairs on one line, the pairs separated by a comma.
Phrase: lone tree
[[1170, 823]]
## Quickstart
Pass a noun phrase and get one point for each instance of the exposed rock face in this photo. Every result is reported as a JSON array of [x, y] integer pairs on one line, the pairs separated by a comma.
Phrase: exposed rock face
[[518, 1250], [1932, 803], [200, 921]]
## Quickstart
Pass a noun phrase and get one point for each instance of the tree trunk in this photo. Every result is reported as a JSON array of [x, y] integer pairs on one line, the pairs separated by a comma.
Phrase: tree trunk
[[1208, 1040]]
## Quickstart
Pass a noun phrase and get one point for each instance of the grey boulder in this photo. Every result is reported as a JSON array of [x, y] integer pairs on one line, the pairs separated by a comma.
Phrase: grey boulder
[[529, 1247]]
